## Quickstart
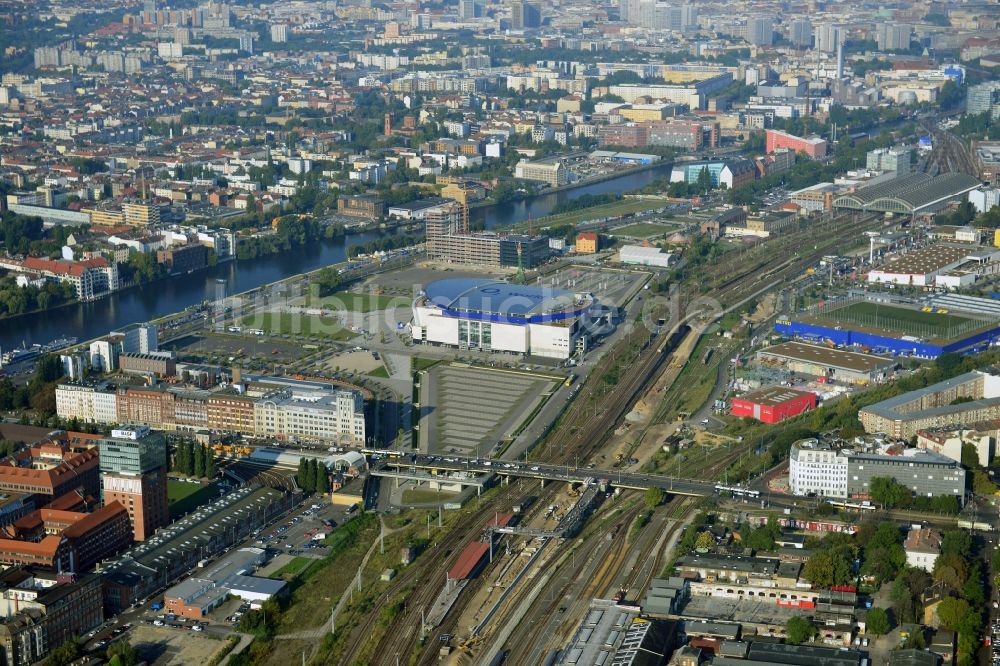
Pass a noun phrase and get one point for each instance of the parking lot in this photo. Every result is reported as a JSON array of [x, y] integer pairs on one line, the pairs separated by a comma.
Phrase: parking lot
[[612, 287], [297, 535], [223, 346], [469, 410]]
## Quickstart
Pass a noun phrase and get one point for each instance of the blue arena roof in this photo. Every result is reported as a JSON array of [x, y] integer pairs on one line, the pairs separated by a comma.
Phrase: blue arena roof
[[494, 300]]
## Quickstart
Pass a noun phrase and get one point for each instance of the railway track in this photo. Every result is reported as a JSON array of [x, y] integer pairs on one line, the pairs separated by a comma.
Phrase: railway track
[[408, 623], [580, 443], [649, 562], [582, 571]]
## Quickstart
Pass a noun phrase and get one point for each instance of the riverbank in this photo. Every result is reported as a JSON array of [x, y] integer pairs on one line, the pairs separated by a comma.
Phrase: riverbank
[[595, 180], [153, 301]]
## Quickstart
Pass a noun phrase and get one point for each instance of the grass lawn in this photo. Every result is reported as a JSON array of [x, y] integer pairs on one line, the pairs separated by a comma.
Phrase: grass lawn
[[293, 568], [423, 496], [380, 371], [623, 207], [186, 497], [318, 590], [287, 323], [344, 300], [417, 363], [641, 230], [914, 322]]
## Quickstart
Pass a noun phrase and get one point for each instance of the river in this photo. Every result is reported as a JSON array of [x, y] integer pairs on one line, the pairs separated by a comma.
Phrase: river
[[90, 320]]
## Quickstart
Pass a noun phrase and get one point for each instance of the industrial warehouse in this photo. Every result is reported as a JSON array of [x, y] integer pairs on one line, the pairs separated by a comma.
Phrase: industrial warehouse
[[944, 266], [498, 316], [828, 364], [773, 404]]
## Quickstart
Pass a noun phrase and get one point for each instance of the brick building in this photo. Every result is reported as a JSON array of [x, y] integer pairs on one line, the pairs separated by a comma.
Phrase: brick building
[[183, 258], [812, 146], [50, 470], [160, 364], [361, 206], [134, 473], [41, 611], [66, 541]]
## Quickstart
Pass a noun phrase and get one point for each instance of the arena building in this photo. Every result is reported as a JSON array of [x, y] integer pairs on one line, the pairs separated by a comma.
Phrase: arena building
[[493, 315]]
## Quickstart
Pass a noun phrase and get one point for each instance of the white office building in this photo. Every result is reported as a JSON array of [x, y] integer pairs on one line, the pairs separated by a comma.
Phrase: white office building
[[814, 469]]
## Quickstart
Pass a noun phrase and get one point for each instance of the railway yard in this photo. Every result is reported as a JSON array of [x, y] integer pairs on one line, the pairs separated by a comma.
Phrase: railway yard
[[509, 575], [529, 598]]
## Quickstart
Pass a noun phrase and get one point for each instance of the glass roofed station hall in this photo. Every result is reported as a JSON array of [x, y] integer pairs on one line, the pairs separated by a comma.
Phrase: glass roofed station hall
[[498, 316]]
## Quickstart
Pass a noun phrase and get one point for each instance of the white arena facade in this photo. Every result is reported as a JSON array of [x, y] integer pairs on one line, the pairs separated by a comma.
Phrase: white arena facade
[[498, 316]]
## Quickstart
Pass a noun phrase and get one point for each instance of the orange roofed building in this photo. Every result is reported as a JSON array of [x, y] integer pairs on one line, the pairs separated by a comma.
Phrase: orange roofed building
[[48, 471], [586, 243], [66, 541]]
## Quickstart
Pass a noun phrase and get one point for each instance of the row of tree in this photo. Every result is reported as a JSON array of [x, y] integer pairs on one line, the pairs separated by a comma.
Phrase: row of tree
[[197, 460], [312, 477], [384, 243]]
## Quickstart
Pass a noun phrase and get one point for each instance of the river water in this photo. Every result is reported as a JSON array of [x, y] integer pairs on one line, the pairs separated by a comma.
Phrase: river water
[[90, 320]]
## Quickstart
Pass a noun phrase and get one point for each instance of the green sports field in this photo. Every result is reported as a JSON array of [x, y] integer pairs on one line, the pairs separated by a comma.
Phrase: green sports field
[[642, 230], [906, 321]]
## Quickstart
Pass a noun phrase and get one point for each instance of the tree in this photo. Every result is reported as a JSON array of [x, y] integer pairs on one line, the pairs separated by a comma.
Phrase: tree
[[958, 542], [198, 468], [653, 497], [310, 476], [948, 362], [302, 476], [973, 591], [64, 654], [982, 484], [951, 569], [322, 480], [883, 562], [189, 457], [826, 568], [180, 458], [887, 491], [877, 623], [952, 612], [210, 470], [704, 179], [886, 535], [327, 281], [124, 652], [799, 630], [704, 541]]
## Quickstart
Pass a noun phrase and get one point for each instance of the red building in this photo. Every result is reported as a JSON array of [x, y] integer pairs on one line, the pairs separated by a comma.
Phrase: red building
[[66, 541], [50, 470], [812, 146], [773, 404]]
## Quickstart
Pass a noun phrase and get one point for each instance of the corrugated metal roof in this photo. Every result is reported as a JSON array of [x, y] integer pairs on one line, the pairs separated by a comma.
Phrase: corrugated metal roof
[[468, 560]]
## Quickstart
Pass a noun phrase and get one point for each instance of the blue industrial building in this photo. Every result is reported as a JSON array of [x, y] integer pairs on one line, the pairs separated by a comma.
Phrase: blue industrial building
[[843, 336]]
